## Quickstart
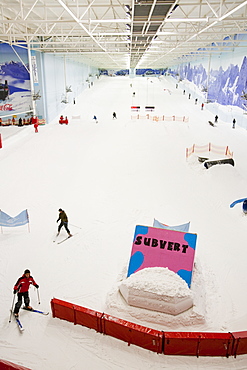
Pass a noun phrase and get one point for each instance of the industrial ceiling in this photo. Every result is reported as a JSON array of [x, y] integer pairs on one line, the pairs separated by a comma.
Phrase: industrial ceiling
[[117, 34]]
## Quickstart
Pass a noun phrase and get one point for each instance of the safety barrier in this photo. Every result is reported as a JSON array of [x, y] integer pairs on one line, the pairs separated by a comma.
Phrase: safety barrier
[[240, 343], [209, 148], [198, 344], [167, 343], [161, 118], [6, 365]]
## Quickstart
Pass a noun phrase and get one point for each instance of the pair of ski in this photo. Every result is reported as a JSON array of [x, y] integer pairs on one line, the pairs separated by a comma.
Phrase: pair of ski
[[18, 322], [61, 241]]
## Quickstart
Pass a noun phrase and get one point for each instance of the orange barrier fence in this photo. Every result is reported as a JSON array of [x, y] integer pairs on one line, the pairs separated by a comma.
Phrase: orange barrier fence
[[168, 343], [209, 148], [161, 118]]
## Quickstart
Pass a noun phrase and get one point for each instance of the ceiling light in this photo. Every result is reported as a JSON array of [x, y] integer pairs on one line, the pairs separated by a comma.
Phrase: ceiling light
[[127, 8]]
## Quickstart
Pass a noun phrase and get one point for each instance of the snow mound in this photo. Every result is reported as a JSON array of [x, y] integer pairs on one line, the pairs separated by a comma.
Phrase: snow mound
[[158, 289]]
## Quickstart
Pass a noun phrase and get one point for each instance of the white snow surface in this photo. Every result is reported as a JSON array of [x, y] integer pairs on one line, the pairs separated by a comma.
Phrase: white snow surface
[[159, 281], [110, 177], [157, 289]]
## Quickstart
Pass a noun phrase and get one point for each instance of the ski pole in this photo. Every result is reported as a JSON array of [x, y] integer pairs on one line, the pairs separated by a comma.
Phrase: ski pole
[[12, 308], [38, 295], [76, 226]]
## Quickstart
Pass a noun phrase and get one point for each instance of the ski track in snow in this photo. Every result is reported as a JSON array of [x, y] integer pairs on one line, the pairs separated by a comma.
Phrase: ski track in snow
[[110, 177]]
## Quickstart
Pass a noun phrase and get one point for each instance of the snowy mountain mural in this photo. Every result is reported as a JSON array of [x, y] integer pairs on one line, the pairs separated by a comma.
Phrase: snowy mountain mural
[[226, 87], [15, 87]]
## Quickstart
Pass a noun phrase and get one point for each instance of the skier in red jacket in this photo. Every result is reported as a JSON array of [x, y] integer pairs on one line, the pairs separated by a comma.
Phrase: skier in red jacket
[[21, 288]]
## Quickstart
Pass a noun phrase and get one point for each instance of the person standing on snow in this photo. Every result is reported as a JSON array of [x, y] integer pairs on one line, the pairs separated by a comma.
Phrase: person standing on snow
[[114, 115], [21, 288], [64, 221]]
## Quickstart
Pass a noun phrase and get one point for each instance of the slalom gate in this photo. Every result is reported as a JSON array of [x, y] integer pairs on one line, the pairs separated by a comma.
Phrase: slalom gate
[[209, 148], [167, 343], [160, 118]]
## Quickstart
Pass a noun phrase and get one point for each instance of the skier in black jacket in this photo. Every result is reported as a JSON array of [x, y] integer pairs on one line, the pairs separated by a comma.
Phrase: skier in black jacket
[[64, 221]]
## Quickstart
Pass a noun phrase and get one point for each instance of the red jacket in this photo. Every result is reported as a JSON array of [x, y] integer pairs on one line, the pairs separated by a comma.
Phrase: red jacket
[[22, 284]]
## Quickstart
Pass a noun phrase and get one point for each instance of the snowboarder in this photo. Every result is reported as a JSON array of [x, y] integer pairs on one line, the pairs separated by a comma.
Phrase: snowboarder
[[114, 115], [233, 123], [21, 288], [216, 118], [64, 221]]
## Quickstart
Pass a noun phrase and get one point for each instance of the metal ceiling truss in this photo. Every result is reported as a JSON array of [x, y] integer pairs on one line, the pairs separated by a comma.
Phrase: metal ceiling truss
[[118, 34]]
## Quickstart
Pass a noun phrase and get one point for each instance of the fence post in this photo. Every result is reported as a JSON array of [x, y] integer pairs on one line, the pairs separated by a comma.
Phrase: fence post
[[0, 141]]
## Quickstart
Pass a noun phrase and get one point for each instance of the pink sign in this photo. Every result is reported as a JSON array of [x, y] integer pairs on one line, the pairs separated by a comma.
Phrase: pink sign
[[153, 247]]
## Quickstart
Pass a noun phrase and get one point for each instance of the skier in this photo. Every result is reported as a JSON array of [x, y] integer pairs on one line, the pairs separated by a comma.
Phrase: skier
[[202, 106], [21, 288], [36, 125], [114, 115], [95, 118], [233, 123], [216, 118], [196, 101], [64, 221]]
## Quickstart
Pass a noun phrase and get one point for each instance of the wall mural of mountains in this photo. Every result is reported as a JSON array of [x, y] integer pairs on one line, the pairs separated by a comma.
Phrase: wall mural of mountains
[[226, 87]]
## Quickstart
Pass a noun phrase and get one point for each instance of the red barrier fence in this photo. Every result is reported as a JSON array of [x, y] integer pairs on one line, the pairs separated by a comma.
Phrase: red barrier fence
[[240, 343], [168, 343], [133, 333], [198, 344], [6, 365]]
